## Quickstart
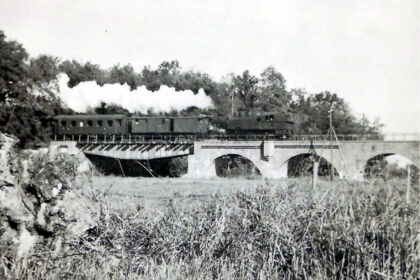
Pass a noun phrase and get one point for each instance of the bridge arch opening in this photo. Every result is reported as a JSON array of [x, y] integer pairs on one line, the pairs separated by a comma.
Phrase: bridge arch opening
[[388, 166], [236, 166], [302, 165], [162, 167]]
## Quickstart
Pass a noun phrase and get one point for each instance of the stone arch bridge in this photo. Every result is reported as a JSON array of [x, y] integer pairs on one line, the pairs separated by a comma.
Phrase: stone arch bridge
[[349, 157], [271, 157]]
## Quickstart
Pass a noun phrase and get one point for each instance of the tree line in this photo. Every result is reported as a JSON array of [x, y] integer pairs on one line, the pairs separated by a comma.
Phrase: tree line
[[28, 115]]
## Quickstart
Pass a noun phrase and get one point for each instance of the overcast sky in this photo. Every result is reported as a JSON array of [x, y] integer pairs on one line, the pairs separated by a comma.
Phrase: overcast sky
[[364, 50]]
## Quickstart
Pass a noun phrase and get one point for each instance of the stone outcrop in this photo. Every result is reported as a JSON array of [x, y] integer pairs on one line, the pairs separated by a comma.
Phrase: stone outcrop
[[40, 199]]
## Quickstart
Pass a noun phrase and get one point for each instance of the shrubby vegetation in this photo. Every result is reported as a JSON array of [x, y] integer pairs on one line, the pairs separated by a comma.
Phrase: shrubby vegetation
[[28, 116], [380, 168], [22, 113], [338, 231]]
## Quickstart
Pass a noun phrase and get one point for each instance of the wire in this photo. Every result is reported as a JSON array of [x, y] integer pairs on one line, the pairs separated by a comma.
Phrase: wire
[[142, 165]]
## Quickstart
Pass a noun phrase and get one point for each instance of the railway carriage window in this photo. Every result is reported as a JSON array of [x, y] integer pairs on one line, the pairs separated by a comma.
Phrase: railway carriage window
[[258, 119], [100, 123], [266, 118], [137, 122], [163, 121], [81, 124], [119, 122], [63, 123], [109, 123], [73, 123], [90, 123]]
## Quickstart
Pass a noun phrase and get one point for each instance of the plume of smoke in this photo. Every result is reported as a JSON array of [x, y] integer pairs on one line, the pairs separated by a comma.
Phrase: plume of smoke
[[89, 94]]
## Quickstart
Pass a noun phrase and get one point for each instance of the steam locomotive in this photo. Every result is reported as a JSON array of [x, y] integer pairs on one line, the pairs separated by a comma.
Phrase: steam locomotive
[[278, 124]]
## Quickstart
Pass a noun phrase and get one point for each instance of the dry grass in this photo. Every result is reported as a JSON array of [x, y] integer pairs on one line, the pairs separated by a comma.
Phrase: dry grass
[[338, 231]]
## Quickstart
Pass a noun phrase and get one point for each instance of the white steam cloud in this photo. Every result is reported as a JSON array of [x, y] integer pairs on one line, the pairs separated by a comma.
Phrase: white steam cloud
[[89, 95]]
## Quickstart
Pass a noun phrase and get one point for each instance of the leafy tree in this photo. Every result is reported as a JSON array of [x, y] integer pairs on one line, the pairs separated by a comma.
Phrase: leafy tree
[[43, 69], [150, 79], [12, 69], [245, 88], [124, 75], [194, 81], [274, 96], [177, 166], [168, 73], [311, 113], [264, 94], [42, 77], [78, 72], [365, 126], [25, 111], [221, 98]]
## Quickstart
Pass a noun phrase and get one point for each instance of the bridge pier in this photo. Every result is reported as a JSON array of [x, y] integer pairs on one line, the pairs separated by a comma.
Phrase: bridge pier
[[200, 168]]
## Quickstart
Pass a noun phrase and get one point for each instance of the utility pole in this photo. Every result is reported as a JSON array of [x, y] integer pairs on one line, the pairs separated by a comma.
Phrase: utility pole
[[331, 130], [231, 103], [363, 126], [408, 182], [315, 164]]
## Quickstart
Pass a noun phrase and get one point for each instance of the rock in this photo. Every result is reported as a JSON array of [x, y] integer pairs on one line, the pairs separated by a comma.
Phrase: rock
[[40, 201]]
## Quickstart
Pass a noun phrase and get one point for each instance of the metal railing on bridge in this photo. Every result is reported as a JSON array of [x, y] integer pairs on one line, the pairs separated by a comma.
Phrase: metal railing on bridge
[[388, 137], [168, 139]]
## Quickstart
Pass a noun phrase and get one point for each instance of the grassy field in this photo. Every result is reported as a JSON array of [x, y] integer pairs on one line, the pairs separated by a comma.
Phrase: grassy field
[[159, 193], [240, 229]]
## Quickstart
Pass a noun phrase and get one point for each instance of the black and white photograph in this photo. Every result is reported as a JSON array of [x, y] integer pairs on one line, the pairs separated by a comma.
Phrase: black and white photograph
[[192, 139]]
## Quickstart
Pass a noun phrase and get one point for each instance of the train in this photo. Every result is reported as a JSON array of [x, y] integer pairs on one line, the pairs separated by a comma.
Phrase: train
[[272, 123]]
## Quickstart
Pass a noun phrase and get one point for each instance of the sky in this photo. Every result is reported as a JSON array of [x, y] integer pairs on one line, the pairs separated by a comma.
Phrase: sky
[[366, 51]]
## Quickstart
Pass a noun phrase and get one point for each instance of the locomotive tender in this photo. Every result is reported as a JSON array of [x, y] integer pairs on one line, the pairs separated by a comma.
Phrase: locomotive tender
[[240, 124]]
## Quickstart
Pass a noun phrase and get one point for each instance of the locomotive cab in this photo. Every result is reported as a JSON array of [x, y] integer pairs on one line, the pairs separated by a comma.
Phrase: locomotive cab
[[273, 123]]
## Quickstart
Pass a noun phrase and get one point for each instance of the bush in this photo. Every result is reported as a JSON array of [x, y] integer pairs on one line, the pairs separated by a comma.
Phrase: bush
[[337, 232]]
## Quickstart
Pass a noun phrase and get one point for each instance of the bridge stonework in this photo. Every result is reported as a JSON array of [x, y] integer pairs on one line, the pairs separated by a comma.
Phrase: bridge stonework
[[271, 158]]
